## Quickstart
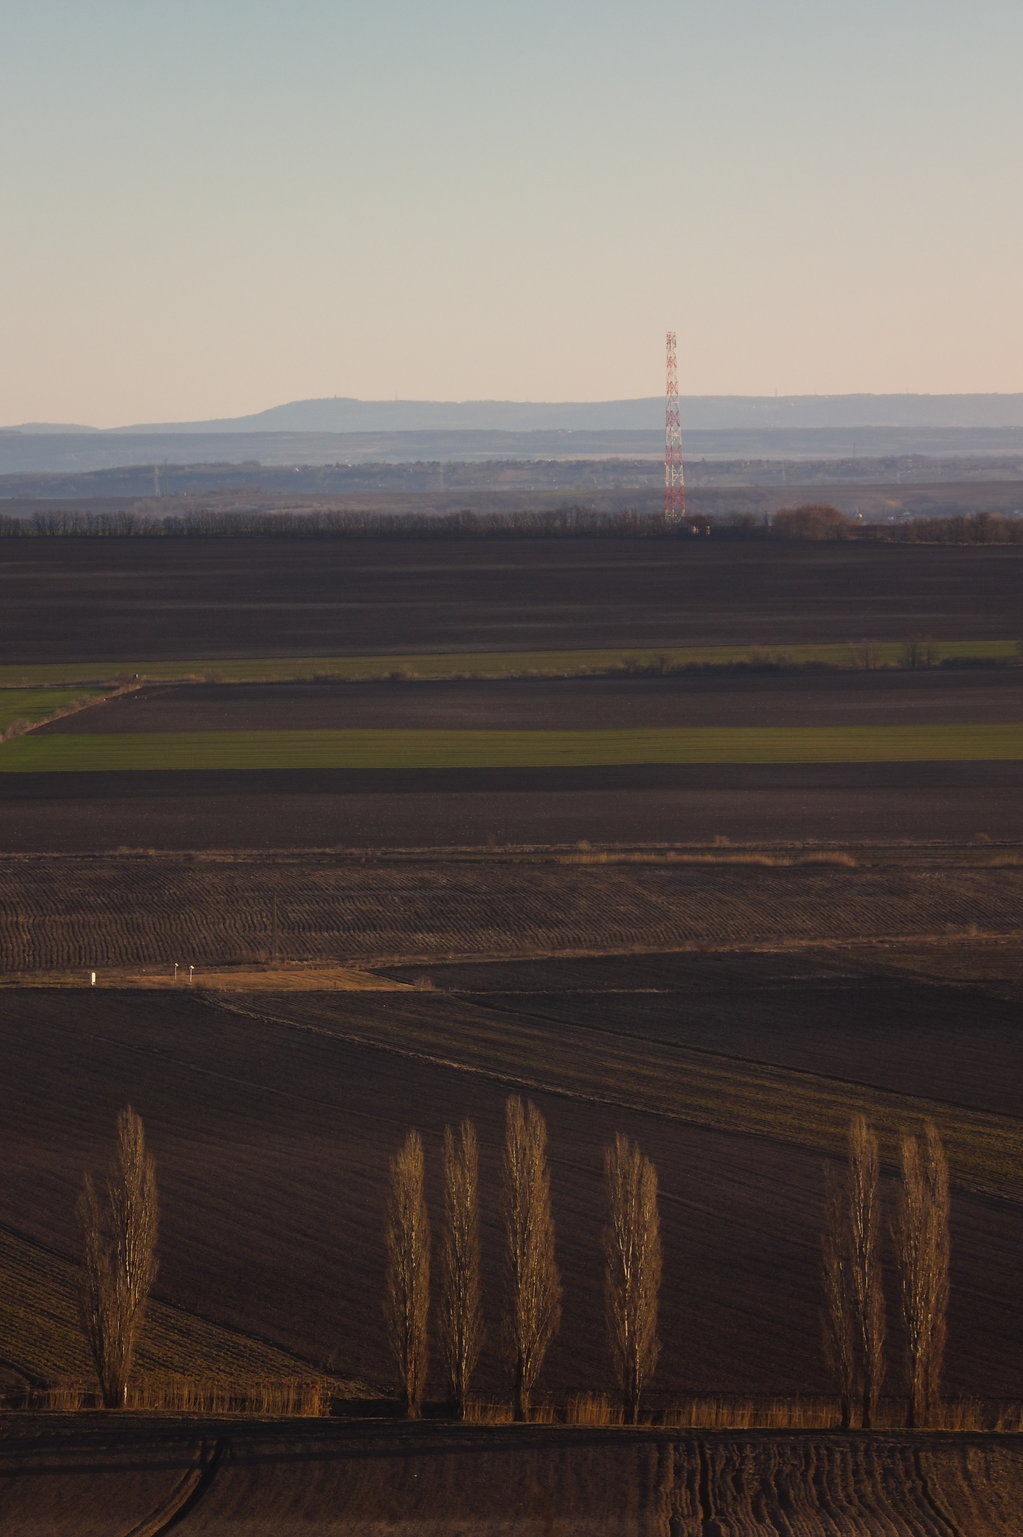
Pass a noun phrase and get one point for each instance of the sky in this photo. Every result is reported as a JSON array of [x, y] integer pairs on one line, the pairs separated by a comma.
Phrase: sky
[[214, 206]]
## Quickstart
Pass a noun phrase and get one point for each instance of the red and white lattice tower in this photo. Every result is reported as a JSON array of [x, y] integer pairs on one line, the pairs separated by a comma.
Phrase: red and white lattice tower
[[674, 468]]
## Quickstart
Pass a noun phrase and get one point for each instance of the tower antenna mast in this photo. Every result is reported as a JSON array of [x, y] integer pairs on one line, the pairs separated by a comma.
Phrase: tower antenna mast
[[674, 468]]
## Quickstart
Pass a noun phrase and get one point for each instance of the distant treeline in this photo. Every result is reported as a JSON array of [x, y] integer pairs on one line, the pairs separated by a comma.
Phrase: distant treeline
[[971, 528], [822, 521], [560, 522], [814, 521]]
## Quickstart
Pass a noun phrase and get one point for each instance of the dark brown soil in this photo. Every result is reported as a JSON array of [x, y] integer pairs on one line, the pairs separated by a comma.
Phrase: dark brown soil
[[146, 598], [820, 1013], [833, 699], [364, 1480], [272, 1145], [77, 1484], [398, 809], [110, 599]]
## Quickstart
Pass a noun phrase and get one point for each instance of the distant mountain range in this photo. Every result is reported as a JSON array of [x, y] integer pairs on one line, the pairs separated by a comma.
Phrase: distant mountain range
[[341, 414], [74, 453], [349, 432]]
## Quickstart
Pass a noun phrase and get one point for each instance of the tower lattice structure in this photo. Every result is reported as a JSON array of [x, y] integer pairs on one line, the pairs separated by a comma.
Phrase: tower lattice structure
[[674, 467]]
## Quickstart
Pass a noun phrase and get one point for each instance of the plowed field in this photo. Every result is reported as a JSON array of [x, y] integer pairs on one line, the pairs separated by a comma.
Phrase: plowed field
[[849, 1015], [42, 1338], [272, 1120], [636, 760], [60, 913], [836, 699], [437, 808], [104, 599], [379, 1481]]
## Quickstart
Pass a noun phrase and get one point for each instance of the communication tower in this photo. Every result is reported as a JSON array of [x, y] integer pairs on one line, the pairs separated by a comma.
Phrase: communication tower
[[674, 468]]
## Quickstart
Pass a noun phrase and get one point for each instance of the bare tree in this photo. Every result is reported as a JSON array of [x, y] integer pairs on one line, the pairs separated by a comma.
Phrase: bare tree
[[119, 1225], [837, 1319], [922, 1251], [853, 1279], [632, 1251], [865, 1256], [407, 1299], [534, 1285], [462, 1328]]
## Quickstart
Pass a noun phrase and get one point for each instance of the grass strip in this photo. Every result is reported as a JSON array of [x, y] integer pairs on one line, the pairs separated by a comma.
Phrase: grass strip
[[24, 704], [493, 664], [382, 749]]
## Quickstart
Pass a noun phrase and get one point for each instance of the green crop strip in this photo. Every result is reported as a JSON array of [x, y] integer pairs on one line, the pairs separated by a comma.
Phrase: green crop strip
[[493, 664], [371, 749], [33, 704]]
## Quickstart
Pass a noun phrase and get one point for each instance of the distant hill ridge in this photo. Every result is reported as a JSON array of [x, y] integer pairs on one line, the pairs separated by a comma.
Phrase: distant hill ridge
[[699, 412]]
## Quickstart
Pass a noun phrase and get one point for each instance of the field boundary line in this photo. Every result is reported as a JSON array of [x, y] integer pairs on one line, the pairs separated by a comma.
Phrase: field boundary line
[[900, 852], [694, 947], [159, 1307], [621, 661], [884, 1103], [711, 1055], [22, 728]]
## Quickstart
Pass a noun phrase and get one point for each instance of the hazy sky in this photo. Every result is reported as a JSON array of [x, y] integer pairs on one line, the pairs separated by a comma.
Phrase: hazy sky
[[212, 206]]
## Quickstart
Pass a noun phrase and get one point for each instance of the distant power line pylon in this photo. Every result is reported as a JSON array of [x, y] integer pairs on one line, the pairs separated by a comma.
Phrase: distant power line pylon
[[674, 468]]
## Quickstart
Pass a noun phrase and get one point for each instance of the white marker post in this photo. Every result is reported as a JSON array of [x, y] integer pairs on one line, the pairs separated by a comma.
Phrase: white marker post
[[92, 979]]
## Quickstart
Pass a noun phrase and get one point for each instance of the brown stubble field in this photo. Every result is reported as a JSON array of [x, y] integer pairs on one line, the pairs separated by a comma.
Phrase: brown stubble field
[[76, 911]]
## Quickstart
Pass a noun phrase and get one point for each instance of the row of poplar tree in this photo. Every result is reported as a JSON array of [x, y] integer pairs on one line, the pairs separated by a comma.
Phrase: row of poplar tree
[[632, 1252], [854, 1314], [119, 1221]]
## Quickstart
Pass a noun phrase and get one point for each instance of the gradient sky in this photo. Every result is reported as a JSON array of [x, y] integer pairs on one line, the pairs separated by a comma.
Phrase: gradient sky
[[212, 206]]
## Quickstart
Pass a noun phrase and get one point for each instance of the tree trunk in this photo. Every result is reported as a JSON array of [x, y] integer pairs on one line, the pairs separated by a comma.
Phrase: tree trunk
[[520, 1400]]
